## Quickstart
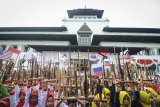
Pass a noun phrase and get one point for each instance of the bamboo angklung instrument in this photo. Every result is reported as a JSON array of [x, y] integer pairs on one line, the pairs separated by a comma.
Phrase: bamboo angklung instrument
[[89, 66], [145, 69], [75, 72], [85, 80], [19, 70], [125, 74], [37, 69], [79, 70], [49, 70], [32, 70], [103, 76], [12, 78], [7, 72], [112, 65], [52, 70], [59, 80], [136, 71], [99, 91], [69, 73], [119, 65], [128, 73], [113, 70]]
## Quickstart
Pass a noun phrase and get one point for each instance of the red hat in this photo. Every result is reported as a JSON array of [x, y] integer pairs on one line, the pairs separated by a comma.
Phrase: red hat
[[36, 83], [45, 89], [23, 92], [6, 103], [25, 84], [154, 86], [34, 93], [48, 96], [21, 83]]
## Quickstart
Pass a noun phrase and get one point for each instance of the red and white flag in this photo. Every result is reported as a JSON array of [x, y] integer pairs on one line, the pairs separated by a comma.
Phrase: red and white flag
[[14, 50]]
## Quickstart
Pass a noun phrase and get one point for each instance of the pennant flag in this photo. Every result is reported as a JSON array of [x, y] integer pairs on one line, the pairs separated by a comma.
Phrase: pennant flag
[[125, 54], [33, 58], [14, 50], [45, 60], [107, 62], [1, 51], [103, 52], [93, 57], [62, 60], [6, 55], [30, 57], [97, 70]]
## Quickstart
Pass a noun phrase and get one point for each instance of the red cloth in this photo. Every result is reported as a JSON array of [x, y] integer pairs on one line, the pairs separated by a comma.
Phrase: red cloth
[[22, 91], [154, 86], [36, 83], [21, 102], [6, 103]]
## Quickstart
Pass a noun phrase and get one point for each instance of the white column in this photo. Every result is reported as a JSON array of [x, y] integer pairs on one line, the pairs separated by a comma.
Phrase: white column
[[154, 51]]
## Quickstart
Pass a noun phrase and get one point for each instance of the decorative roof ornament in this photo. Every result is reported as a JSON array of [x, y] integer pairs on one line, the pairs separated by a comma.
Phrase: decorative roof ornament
[[85, 6], [84, 28]]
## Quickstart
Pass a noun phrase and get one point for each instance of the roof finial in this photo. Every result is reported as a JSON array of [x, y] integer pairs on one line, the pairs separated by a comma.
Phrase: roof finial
[[85, 6]]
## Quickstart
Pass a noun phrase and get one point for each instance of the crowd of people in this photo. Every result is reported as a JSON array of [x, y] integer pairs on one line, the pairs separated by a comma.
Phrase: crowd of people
[[109, 92], [79, 91]]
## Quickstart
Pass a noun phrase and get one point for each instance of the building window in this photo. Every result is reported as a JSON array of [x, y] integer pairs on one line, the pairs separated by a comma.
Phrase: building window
[[84, 39], [75, 17], [94, 17]]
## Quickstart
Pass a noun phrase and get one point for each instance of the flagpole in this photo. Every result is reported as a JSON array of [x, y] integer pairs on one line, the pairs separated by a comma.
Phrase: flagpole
[[85, 81], [116, 62], [103, 71], [119, 64], [75, 72]]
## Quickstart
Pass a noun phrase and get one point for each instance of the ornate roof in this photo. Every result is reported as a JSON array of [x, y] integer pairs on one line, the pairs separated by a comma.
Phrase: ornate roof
[[84, 29], [85, 12]]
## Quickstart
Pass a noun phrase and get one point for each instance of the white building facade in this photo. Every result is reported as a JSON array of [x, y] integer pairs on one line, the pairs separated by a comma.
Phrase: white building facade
[[85, 30]]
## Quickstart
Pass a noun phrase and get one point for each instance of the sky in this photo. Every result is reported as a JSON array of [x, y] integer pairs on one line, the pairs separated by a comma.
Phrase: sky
[[49, 13]]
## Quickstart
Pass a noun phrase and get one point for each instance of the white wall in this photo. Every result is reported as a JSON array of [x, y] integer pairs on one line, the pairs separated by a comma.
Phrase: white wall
[[96, 25]]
